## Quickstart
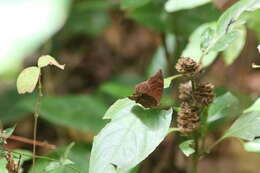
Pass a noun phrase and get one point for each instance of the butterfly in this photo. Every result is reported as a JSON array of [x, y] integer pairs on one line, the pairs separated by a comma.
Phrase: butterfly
[[149, 93]]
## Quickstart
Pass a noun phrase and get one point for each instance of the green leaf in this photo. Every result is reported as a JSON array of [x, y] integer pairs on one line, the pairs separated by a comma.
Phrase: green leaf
[[133, 133], [186, 147], [176, 5], [133, 3], [225, 32], [223, 42], [6, 134], [27, 80], [78, 111], [63, 160], [193, 50], [253, 146], [79, 154], [235, 48], [222, 107], [254, 107], [247, 126], [46, 60]]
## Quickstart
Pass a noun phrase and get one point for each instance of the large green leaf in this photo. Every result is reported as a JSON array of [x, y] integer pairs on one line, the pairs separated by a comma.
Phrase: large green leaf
[[133, 3], [80, 112], [176, 5], [193, 50], [247, 126], [254, 107], [79, 154], [235, 48], [133, 133], [225, 32]]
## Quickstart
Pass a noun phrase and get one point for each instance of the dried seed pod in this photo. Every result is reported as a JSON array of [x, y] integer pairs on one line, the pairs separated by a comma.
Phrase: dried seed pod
[[185, 91], [187, 66], [11, 165], [204, 94], [188, 118]]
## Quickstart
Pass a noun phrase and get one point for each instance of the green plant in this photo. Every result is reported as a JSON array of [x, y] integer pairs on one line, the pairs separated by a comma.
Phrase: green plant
[[138, 124]]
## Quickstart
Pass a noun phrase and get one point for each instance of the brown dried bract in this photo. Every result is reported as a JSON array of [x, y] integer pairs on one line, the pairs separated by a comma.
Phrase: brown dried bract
[[188, 118], [204, 94], [149, 93], [11, 165], [185, 91], [187, 66]]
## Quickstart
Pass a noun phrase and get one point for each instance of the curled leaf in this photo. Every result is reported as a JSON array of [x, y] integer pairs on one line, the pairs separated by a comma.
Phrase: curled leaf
[[46, 60], [27, 80]]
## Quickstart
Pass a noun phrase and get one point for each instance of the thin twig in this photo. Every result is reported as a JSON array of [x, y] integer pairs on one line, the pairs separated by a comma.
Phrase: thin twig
[[29, 141], [36, 115]]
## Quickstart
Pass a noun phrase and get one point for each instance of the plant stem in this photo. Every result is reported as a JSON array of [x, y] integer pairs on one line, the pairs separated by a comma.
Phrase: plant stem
[[195, 156], [36, 115], [167, 55]]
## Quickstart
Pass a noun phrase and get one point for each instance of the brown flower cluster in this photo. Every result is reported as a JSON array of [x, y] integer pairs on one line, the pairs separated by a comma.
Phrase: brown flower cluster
[[193, 97], [187, 66], [188, 118]]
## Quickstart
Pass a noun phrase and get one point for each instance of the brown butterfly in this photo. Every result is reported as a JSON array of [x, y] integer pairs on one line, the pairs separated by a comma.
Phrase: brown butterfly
[[149, 93]]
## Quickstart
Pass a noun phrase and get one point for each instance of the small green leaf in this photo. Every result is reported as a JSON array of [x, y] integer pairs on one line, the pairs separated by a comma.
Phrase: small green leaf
[[254, 107], [167, 81], [133, 133], [235, 48], [46, 60], [246, 127], [27, 80], [253, 146], [6, 134], [176, 5], [221, 107], [186, 147], [133, 3]]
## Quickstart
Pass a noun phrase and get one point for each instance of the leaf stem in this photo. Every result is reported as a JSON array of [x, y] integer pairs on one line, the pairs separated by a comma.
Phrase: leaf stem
[[36, 115]]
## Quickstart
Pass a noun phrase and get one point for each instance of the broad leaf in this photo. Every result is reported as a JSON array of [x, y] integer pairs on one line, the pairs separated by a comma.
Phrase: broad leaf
[[133, 133], [186, 147], [252, 146], [224, 32], [247, 126], [80, 112], [254, 107], [46, 60], [176, 5], [235, 48], [193, 50], [27, 80], [222, 107], [133, 3]]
